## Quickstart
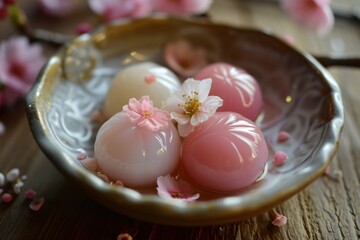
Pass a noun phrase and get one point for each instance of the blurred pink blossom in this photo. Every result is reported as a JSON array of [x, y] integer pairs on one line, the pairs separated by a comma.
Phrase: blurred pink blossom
[[182, 6], [57, 8], [20, 63], [169, 188], [184, 58], [313, 14], [115, 9]]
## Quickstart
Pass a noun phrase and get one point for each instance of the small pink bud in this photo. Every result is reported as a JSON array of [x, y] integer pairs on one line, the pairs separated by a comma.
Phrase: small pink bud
[[280, 158], [37, 204], [6, 197], [283, 136], [30, 194]]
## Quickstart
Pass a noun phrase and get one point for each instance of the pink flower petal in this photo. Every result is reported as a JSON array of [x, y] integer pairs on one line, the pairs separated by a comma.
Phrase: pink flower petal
[[37, 204], [81, 156], [280, 158], [6, 197], [283, 136], [149, 79], [170, 188], [30, 194], [279, 220]]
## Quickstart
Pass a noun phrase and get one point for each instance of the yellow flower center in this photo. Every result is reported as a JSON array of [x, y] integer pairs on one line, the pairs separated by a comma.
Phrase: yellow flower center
[[192, 104], [146, 114]]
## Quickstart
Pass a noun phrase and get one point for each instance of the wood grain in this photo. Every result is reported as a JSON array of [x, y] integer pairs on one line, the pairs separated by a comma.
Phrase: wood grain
[[327, 209]]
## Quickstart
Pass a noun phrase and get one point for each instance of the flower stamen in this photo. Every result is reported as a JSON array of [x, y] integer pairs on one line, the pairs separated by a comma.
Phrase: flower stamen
[[192, 105]]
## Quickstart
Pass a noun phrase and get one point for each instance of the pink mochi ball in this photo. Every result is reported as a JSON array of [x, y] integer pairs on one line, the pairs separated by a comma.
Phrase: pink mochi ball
[[136, 156], [226, 153], [239, 90]]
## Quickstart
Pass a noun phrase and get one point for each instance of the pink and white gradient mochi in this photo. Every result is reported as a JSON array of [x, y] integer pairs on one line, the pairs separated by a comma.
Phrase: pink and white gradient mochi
[[239, 90], [226, 153], [135, 155]]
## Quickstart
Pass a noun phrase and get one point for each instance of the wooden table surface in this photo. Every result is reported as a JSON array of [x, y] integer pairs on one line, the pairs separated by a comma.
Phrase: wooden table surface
[[326, 209]]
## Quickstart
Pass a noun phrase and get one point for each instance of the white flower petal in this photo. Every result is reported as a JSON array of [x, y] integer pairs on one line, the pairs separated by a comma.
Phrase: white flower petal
[[180, 118], [172, 103], [204, 89], [190, 86], [211, 104], [198, 118], [185, 129]]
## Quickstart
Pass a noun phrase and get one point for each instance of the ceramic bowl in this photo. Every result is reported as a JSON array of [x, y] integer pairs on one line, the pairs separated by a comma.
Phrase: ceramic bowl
[[300, 97]]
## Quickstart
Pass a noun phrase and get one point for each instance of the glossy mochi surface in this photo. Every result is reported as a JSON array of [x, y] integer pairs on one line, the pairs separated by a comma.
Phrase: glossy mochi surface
[[239, 90], [136, 155], [135, 81], [227, 152]]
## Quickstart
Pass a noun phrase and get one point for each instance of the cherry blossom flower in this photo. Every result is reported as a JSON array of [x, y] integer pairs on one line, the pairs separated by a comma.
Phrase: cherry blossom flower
[[57, 8], [20, 63], [313, 14], [279, 220], [192, 105], [184, 58], [144, 114], [116, 9], [181, 7], [169, 188]]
